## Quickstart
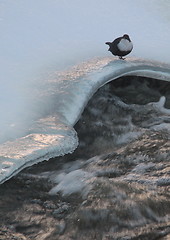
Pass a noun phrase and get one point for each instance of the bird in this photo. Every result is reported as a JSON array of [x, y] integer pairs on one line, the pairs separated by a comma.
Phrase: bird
[[121, 46]]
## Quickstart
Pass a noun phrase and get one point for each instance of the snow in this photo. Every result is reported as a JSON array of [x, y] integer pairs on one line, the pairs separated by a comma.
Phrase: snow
[[38, 107]]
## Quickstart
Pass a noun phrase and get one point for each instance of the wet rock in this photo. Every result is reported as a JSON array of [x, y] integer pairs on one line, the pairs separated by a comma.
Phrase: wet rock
[[61, 211]]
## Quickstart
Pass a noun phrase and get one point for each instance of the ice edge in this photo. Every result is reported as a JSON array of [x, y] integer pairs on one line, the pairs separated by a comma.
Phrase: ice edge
[[68, 142]]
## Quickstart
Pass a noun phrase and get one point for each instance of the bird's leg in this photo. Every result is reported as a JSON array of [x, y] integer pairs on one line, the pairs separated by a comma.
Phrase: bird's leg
[[120, 57]]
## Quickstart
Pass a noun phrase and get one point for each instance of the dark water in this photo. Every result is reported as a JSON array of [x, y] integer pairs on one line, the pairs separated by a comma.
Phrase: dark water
[[114, 186]]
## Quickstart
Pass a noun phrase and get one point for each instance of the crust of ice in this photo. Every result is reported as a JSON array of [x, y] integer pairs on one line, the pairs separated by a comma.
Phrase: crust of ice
[[54, 135]]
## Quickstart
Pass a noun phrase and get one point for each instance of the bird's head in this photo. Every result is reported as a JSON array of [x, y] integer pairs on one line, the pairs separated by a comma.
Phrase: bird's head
[[126, 36]]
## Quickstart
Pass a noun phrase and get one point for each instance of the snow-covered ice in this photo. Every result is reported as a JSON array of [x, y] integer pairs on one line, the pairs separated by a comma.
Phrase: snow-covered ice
[[53, 136]]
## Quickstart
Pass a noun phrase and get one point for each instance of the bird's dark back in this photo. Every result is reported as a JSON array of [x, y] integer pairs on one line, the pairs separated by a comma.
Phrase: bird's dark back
[[113, 46]]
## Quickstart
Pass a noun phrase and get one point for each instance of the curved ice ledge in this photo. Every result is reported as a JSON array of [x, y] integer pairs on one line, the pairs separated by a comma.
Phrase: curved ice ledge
[[54, 134]]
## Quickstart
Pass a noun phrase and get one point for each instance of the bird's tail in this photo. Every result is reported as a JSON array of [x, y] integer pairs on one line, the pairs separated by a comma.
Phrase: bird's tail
[[108, 43]]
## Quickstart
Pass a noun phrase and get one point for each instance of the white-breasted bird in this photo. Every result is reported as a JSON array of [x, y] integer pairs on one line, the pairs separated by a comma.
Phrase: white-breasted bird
[[121, 46]]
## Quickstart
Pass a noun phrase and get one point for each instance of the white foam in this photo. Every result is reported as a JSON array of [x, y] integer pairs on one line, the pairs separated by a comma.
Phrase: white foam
[[160, 106], [73, 182], [127, 137]]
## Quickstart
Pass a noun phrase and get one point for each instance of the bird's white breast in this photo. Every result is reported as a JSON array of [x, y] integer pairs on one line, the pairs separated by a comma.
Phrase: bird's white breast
[[125, 45]]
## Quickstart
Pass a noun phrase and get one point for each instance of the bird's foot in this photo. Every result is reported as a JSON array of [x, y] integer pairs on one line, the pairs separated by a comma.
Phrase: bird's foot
[[122, 58]]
